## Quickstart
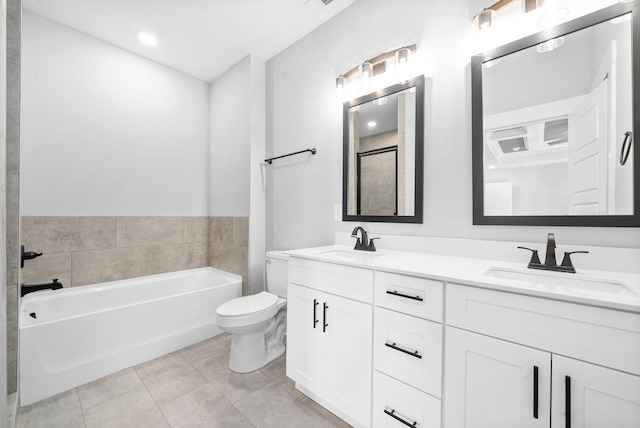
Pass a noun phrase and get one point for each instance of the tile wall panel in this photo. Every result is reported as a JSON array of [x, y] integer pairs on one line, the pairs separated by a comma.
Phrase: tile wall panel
[[90, 267], [86, 250], [12, 162], [229, 246], [148, 231]]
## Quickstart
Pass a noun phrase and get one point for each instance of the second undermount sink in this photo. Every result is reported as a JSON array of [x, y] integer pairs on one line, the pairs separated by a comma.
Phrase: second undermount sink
[[563, 282]]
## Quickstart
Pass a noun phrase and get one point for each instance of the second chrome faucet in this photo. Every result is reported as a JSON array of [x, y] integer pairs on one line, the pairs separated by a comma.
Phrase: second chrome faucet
[[550, 258]]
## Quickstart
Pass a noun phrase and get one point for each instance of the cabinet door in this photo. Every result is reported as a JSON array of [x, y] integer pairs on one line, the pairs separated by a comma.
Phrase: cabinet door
[[347, 356], [595, 396], [304, 336], [490, 383]]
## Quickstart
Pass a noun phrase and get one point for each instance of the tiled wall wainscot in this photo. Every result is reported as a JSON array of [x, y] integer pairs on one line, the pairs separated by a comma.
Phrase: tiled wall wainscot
[[87, 250], [13, 47], [229, 246]]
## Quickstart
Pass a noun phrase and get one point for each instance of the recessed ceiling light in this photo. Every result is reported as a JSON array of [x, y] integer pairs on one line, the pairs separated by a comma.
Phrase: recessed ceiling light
[[146, 38], [371, 124], [550, 45]]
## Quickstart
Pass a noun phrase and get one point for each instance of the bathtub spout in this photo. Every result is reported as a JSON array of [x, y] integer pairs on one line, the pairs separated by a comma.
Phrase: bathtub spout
[[26, 289]]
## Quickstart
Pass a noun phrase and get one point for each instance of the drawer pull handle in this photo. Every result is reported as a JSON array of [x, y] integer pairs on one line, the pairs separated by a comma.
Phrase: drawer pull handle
[[567, 401], [396, 293], [392, 413], [535, 392], [315, 321], [324, 317], [393, 345]]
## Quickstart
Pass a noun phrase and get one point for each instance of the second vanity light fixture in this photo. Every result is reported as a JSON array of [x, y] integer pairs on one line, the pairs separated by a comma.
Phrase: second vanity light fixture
[[378, 65], [551, 12]]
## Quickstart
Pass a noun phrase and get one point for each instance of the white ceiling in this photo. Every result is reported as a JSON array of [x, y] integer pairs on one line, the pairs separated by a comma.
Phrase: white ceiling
[[202, 38]]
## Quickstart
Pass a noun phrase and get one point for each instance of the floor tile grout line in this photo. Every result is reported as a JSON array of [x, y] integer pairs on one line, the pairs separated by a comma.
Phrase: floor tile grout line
[[164, 417], [84, 421]]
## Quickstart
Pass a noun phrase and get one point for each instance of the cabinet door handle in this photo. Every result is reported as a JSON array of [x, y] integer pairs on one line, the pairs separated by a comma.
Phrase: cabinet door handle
[[315, 304], [535, 392], [567, 401], [393, 345], [406, 296], [392, 413], [324, 317]]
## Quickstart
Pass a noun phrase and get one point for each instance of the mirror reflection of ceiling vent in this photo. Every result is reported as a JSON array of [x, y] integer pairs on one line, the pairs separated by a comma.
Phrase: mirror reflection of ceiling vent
[[556, 131], [513, 145], [508, 133]]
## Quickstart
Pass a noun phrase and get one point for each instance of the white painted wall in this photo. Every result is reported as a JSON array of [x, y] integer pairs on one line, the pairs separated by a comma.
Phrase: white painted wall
[[303, 111], [257, 192], [230, 136], [107, 132], [237, 155]]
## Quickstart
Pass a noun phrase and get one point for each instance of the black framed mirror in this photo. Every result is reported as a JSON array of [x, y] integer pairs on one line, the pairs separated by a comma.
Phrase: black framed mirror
[[383, 155], [554, 116]]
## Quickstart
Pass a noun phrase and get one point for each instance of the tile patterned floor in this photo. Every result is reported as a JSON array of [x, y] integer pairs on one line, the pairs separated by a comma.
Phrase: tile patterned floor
[[190, 388]]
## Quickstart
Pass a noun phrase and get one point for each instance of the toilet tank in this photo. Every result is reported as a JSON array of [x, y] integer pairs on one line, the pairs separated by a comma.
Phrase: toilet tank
[[277, 272]]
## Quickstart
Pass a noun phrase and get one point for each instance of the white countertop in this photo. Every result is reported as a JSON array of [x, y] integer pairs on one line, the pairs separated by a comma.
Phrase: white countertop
[[620, 291]]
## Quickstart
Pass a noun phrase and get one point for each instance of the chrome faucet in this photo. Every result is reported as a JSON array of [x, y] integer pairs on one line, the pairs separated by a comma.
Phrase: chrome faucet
[[53, 285], [550, 258], [363, 243]]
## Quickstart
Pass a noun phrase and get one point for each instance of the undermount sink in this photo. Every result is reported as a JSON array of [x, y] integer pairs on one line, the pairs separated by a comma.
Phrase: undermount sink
[[351, 254], [563, 282]]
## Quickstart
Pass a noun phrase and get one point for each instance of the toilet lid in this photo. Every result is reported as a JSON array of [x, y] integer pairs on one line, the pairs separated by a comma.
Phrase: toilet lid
[[247, 304]]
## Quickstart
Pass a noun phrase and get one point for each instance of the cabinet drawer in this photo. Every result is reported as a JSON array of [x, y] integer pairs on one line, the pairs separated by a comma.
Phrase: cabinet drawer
[[404, 402], [409, 349], [354, 283], [410, 295], [603, 336]]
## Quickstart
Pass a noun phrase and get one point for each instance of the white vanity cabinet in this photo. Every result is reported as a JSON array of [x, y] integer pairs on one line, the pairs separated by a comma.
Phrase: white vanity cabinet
[[407, 348], [519, 361], [329, 336]]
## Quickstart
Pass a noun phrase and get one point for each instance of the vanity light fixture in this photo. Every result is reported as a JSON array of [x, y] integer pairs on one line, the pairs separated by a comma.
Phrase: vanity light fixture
[[402, 55], [377, 65], [484, 19], [146, 38], [551, 13], [366, 70], [371, 124]]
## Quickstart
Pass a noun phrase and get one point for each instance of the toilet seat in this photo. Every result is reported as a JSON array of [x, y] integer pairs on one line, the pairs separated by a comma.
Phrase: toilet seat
[[248, 310]]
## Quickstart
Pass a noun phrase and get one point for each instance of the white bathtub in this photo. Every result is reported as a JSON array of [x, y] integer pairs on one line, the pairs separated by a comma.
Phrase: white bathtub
[[84, 333]]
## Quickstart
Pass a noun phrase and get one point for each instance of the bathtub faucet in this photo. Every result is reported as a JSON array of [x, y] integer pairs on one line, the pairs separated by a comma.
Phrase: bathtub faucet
[[26, 289]]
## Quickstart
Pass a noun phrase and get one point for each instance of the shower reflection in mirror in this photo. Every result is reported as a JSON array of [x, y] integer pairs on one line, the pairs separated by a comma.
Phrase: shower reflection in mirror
[[382, 175]]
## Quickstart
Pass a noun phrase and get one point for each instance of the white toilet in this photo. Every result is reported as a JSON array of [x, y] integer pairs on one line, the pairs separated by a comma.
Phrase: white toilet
[[258, 323]]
